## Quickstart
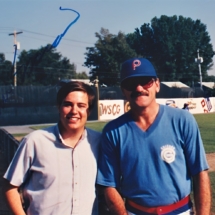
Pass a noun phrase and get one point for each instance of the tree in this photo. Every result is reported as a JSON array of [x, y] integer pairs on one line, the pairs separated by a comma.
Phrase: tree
[[44, 66], [105, 58], [210, 78], [6, 72], [171, 43], [81, 75], [2, 58]]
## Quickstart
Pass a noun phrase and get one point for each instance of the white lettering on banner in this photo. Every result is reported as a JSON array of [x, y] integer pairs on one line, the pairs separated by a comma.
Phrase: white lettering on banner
[[110, 109]]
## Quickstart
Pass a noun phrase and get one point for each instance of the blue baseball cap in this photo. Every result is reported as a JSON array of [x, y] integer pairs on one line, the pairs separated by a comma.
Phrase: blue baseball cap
[[137, 67]]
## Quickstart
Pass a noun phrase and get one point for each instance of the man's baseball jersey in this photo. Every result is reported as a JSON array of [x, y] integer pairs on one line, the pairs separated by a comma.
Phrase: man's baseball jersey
[[152, 167]]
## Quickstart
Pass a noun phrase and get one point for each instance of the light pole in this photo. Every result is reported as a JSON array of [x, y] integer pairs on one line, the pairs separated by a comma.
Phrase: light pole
[[17, 46], [96, 82], [199, 60]]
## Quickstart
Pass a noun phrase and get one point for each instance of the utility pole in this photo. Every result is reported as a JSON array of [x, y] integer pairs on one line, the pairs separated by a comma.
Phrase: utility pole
[[199, 60], [96, 82], [17, 46]]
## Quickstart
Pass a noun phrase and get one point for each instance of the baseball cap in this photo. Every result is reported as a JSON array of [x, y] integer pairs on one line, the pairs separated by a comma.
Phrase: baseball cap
[[137, 67]]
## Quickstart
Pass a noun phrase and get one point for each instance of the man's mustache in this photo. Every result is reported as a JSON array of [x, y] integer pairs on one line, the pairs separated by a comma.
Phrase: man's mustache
[[135, 94]]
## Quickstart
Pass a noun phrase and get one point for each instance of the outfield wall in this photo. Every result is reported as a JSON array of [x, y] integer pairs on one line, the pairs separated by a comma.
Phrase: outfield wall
[[111, 109], [26, 114]]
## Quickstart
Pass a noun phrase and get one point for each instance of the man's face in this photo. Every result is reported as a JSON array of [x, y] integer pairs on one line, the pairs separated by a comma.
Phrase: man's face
[[74, 111], [141, 92]]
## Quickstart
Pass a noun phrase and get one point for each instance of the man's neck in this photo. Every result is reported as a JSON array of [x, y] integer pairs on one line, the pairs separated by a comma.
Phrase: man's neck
[[145, 117], [71, 137]]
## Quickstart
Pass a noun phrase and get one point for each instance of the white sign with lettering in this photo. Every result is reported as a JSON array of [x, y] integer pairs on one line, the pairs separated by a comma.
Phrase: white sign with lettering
[[110, 109]]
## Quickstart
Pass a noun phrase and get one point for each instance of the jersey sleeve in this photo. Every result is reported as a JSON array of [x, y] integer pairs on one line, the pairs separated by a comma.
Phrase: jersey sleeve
[[108, 166], [194, 149], [18, 169]]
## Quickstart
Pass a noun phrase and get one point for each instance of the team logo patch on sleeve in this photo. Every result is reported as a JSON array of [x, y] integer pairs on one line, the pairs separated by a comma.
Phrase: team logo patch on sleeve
[[168, 153]]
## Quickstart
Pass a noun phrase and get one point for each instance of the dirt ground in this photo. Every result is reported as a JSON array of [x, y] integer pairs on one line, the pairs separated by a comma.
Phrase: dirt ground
[[211, 161]]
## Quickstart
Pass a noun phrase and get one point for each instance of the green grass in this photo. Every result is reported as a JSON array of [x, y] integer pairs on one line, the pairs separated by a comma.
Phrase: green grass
[[20, 135], [98, 126], [36, 127], [206, 123]]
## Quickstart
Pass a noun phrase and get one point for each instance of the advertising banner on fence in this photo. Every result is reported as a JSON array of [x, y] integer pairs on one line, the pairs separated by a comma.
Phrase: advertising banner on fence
[[110, 109], [195, 105]]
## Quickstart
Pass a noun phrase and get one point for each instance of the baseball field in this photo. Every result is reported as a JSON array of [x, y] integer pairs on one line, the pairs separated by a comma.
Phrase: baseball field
[[206, 123]]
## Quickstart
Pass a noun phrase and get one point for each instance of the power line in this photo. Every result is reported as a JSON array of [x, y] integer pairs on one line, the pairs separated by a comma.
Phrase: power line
[[46, 35], [47, 42], [78, 41]]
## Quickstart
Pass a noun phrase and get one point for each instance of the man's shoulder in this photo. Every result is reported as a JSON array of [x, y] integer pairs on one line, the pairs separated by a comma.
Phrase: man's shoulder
[[177, 114], [49, 132], [92, 134], [174, 110], [93, 137], [118, 122]]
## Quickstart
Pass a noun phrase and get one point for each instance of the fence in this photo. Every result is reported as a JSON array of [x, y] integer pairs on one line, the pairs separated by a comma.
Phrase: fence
[[24, 105], [27, 96], [8, 146]]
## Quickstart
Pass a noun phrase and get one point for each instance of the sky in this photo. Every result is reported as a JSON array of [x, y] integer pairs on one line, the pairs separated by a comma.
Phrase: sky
[[41, 21]]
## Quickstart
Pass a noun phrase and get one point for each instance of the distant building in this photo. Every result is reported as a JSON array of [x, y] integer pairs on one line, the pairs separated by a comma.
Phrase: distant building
[[177, 84], [86, 81], [207, 85], [175, 90], [207, 88]]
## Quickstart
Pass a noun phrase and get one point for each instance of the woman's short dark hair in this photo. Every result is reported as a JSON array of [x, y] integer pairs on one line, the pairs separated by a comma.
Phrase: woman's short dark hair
[[76, 86]]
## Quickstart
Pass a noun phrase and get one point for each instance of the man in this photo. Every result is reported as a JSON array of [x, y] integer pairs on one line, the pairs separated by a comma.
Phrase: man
[[186, 106], [150, 154], [56, 167]]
